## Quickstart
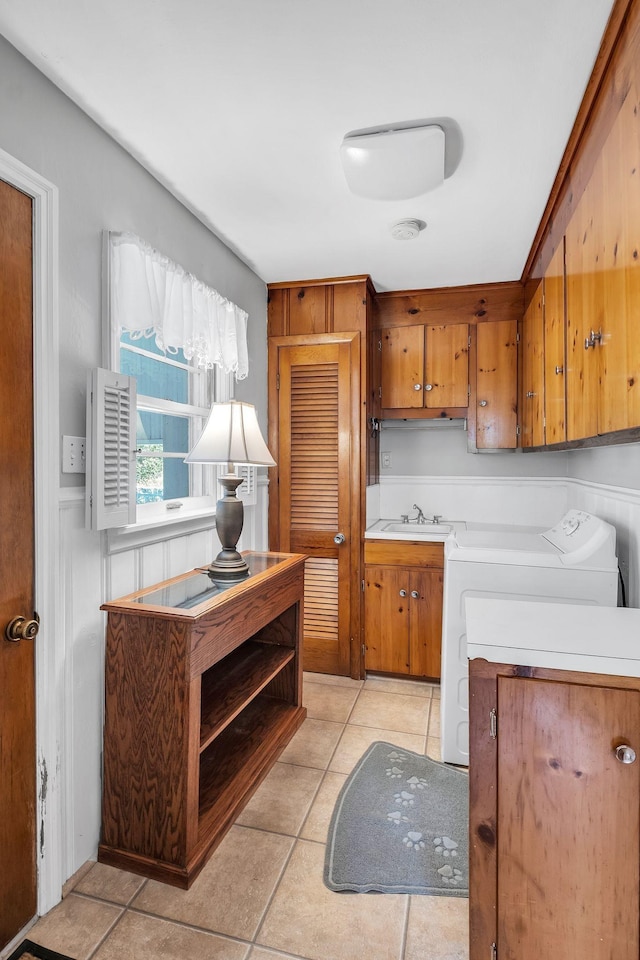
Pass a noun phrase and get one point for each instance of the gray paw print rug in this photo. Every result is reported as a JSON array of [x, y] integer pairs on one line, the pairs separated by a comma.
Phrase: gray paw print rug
[[400, 825]]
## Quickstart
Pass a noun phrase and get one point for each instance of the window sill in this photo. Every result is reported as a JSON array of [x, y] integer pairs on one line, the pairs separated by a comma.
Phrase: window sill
[[164, 525]]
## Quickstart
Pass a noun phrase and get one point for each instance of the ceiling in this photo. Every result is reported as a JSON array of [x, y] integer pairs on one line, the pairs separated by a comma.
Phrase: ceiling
[[239, 108]]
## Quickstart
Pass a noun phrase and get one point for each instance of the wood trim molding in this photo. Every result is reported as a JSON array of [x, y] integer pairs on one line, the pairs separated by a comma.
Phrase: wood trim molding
[[611, 36], [470, 304], [50, 640], [286, 284]]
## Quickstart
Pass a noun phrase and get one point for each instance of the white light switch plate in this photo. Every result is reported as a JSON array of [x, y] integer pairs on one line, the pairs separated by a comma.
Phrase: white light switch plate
[[74, 459]]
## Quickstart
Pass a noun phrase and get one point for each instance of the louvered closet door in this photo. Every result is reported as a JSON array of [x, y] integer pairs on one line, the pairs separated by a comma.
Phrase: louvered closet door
[[318, 456]]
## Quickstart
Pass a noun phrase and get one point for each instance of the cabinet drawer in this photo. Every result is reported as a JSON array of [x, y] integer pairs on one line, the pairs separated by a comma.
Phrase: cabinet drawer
[[405, 552]]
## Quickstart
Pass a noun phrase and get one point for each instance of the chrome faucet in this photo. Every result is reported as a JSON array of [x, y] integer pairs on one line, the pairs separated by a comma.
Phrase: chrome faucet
[[421, 517]]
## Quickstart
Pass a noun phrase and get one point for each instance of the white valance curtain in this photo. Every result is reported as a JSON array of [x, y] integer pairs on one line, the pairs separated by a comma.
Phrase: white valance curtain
[[153, 296]]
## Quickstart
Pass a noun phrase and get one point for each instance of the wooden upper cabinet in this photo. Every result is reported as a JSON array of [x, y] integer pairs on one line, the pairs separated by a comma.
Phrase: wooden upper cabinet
[[532, 383], [554, 350], [447, 366], [584, 311], [425, 367], [603, 287], [496, 385], [402, 362]]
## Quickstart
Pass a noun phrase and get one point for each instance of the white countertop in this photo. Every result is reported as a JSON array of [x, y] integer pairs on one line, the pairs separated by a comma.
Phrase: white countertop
[[429, 532], [564, 636]]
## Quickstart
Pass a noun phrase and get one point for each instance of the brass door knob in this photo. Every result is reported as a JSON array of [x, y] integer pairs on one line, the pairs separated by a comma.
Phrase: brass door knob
[[22, 629], [625, 753]]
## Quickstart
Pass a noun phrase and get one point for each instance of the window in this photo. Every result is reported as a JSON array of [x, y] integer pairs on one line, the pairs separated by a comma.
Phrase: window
[[173, 401], [183, 344]]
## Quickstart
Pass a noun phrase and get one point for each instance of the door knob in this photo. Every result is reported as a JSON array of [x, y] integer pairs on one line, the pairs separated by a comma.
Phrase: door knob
[[415, 594], [559, 370], [482, 403], [625, 753], [530, 394], [22, 629], [428, 386], [417, 386], [339, 538], [403, 593]]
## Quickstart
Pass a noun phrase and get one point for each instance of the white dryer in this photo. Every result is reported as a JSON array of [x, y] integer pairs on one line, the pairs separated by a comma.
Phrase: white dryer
[[573, 562]]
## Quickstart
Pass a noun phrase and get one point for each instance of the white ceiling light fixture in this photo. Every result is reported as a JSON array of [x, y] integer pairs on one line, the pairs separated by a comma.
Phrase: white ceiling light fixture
[[406, 229], [394, 163]]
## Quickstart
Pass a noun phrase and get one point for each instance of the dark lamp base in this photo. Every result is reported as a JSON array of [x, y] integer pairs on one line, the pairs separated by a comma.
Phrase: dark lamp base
[[229, 565]]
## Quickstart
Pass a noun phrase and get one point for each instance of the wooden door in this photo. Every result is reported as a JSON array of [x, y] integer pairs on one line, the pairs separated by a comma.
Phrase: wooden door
[[532, 391], [447, 366], [402, 366], [17, 661], [496, 385], [386, 619], [554, 349], [425, 625], [568, 821], [315, 431]]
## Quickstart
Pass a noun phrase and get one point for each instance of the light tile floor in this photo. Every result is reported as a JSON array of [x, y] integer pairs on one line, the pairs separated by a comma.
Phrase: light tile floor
[[261, 894]]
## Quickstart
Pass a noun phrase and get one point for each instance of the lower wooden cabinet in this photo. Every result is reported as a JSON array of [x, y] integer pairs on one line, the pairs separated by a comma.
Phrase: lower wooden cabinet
[[403, 607], [554, 814]]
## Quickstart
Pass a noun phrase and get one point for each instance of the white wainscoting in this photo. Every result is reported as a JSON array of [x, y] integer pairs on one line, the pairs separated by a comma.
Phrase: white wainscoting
[[93, 570], [535, 501], [620, 506]]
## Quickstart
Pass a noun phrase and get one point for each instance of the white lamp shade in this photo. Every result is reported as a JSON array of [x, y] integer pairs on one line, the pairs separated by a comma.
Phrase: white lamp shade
[[231, 435], [394, 164]]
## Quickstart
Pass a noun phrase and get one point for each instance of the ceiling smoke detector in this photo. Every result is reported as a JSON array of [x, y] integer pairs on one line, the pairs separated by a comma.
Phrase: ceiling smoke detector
[[406, 229]]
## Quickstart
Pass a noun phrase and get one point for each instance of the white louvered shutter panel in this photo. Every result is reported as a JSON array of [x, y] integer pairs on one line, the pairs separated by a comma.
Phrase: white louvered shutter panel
[[112, 421], [247, 489]]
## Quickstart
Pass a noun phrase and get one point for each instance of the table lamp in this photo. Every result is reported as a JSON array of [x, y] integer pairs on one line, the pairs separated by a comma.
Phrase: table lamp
[[231, 435]]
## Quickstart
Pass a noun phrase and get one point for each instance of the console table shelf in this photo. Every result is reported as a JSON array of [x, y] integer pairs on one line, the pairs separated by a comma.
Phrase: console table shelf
[[225, 692], [203, 691]]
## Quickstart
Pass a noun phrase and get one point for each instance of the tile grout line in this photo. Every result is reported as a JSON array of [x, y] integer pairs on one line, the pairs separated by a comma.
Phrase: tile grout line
[[298, 839], [138, 911], [276, 887], [107, 934]]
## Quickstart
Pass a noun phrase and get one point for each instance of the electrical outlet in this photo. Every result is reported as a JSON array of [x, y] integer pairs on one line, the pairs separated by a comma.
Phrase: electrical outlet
[[74, 456], [385, 458]]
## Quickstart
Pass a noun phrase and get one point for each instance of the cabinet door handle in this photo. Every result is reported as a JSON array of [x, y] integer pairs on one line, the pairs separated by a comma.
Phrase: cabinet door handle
[[530, 394], [482, 403], [559, 370], [403, 593], [428, 386], [625, 753], [339, 538], [415, 594], [417, 386], [593, 338]]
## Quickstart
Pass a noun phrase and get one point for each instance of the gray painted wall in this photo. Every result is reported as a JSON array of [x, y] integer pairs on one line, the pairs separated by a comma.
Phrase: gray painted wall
[[618, 465], [103, 188], [442, 451]]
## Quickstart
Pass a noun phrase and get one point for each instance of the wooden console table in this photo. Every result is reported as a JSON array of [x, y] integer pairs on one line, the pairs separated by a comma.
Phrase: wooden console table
[[203, 690]]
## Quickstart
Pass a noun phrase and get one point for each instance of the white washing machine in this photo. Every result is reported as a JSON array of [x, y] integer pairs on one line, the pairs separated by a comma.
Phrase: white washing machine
[[573, 562]]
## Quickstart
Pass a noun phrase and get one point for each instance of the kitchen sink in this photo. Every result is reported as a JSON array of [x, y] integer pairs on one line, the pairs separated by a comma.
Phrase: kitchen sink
[[426, 530]]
